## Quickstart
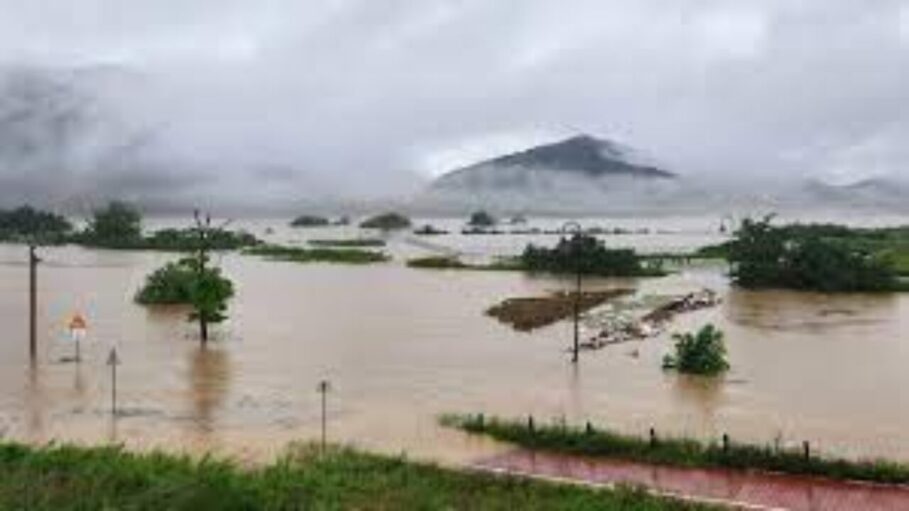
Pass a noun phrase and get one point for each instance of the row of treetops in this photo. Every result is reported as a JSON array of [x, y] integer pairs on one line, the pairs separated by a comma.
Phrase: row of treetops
[[817, 257]]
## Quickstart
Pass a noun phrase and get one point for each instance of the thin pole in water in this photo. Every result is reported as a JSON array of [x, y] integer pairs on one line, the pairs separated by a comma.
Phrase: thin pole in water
[[113, 361], [576, 229], [33, 261], [323, 389]]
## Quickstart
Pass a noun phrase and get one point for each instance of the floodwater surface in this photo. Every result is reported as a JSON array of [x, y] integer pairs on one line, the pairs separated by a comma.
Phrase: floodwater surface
[[401, 346]]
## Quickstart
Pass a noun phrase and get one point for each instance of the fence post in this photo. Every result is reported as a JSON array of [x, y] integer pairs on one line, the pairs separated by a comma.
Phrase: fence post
[[806, 447], [653, 438], [725, 443]]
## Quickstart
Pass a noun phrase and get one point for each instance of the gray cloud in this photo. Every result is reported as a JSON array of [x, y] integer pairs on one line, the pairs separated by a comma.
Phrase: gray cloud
[[282, 101]]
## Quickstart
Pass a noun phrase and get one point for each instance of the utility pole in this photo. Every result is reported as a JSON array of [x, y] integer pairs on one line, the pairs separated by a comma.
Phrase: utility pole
[[33, 261], [323, 389], [113, 361], [575, 252], [202, 227]]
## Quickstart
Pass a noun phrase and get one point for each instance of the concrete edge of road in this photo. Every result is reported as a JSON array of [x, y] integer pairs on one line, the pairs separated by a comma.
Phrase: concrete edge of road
[[733, 504]]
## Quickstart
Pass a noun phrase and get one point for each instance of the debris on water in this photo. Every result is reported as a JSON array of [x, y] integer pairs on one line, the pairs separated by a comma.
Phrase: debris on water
[[529, 313], [616, 328]]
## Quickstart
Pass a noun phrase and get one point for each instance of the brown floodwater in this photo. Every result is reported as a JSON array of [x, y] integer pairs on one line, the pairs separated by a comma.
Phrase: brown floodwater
[[401, 346]]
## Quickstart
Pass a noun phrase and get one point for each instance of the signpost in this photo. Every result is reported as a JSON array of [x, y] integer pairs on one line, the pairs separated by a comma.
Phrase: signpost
[[77, 328]]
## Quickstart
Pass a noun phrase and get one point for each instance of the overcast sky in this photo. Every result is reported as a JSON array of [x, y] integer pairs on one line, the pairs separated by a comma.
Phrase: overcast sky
[[370, 96]]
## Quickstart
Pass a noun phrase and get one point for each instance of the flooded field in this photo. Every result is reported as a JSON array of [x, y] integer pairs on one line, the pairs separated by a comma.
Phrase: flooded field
[[401, 346]]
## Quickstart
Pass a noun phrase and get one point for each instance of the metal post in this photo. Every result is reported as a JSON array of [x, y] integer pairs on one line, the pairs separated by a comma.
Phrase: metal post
[[577, 313], [32, 303], [323, 389], [113, 361]]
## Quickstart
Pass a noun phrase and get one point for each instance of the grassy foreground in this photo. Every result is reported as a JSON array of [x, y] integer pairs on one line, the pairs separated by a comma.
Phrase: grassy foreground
[[677, 451], [66, 477]]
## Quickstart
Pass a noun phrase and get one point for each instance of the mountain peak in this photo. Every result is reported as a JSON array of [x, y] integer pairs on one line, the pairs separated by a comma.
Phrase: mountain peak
[[581, 155]]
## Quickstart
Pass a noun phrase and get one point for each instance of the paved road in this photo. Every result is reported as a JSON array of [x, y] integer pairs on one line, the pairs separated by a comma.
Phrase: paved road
[[743, 489]]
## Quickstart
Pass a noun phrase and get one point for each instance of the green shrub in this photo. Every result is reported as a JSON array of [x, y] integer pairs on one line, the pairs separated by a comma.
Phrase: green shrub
[[703, 352]]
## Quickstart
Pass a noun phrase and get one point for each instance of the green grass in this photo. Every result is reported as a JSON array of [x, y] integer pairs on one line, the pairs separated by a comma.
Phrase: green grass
[[453, 263], [317, 255], [73, 478], [677, 451], [355, 242]]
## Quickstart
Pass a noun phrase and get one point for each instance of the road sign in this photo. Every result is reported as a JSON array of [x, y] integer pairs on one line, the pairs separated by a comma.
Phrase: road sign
[[77, 328]]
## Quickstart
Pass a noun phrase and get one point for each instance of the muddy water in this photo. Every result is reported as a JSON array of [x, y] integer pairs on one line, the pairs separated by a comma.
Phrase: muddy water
[[401, 346]]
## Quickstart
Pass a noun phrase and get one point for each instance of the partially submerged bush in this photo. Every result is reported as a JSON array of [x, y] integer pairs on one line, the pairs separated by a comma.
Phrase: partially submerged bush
[[387, 222], [481, 219], [587, 255], [309, 221], [703, 352]]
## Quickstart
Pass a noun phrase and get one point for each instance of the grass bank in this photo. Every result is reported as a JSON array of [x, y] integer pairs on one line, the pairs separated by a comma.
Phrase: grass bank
[[685, 452], [65, 477], [317, 255]]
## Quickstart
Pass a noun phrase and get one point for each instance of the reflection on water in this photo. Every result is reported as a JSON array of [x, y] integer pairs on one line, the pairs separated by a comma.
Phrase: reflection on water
[[811, 312], [401, 346], [209, 379]]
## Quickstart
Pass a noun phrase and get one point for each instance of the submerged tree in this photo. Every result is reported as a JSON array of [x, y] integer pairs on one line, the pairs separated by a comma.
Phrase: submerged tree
[[193, 281], [116, 225]]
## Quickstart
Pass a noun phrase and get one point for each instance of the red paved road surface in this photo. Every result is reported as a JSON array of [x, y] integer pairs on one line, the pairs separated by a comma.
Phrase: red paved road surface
[[761, 490]]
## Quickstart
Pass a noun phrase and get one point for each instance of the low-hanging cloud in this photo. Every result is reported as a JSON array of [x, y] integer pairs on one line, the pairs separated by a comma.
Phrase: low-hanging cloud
[[283, 103]]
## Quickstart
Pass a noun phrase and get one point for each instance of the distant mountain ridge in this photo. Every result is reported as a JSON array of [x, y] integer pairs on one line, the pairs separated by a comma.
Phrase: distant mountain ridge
[[580, 156]]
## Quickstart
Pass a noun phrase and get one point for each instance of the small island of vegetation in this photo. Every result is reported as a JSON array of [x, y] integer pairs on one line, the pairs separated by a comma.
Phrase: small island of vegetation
[[310, 221], [587, 255], [581, 253], [317, 255], [386, 222], [816, 257], [28, 225]]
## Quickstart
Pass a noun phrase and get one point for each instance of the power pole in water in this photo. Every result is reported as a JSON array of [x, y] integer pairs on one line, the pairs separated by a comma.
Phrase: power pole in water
[[323, 389], [33, 261], [576, 253], [113, 361]]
